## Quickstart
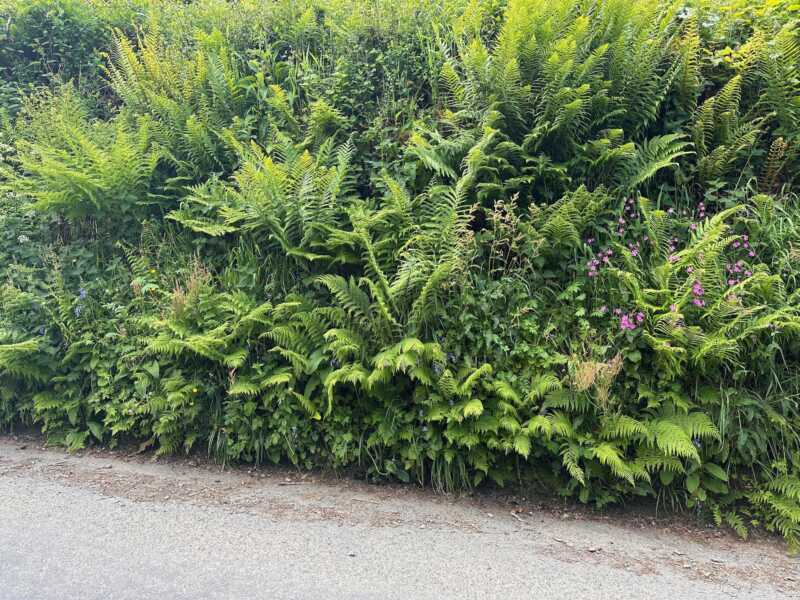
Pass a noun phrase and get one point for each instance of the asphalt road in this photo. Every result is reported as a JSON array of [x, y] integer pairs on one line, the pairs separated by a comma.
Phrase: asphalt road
[[104, 526]]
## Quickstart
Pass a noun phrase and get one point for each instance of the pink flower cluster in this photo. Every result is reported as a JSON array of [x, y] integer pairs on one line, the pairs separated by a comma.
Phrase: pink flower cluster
[[672, 246], [629, 322], [697, 292], [736, 271], [629, 212], [603, 258], [744, 243], [634, 247]]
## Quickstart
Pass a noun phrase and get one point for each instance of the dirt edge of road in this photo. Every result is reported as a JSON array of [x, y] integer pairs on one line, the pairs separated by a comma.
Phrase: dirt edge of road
[[636, 542]]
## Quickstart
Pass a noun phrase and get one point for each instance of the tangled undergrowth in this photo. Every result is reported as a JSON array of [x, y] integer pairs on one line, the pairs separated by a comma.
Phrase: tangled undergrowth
[[443, 241]]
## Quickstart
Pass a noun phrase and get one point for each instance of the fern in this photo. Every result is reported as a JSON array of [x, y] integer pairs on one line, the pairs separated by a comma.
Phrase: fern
[[95, 168], [652, 156]]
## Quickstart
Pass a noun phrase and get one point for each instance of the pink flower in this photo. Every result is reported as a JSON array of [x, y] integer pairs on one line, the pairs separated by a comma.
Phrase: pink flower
[[626, 323], [639, 317], [673, 307]]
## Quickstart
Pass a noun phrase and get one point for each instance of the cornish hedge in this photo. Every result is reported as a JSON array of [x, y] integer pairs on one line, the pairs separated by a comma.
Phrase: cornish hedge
[[545, 242]]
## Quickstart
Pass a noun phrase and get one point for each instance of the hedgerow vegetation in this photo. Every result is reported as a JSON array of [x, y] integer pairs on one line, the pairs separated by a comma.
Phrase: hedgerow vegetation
[[541, 241]]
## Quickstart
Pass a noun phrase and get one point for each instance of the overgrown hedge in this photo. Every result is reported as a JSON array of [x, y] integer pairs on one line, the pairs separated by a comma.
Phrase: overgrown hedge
[[537, 241]]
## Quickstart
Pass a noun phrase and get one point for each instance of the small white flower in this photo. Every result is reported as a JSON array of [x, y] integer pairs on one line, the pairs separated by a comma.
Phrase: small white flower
[[22, 239]]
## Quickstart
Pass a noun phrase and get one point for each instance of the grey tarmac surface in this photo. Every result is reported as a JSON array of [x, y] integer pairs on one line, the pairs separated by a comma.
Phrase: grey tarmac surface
[[114, 526]]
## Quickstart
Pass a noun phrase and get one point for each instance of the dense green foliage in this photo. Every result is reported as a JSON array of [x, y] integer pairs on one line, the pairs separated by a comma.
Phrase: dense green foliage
[[547, 241]]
